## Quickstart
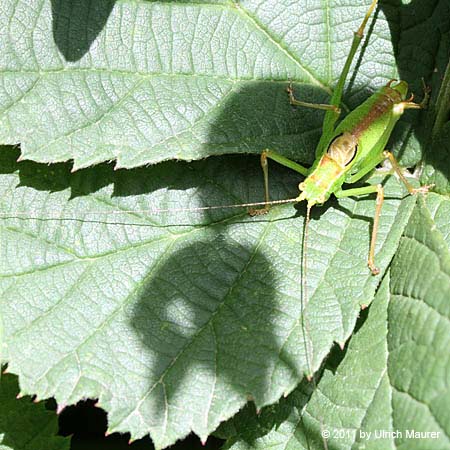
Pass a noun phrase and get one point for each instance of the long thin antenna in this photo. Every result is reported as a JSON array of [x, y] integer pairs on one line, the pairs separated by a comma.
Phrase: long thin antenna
[[26, 214], [309, 355], [304, 294]]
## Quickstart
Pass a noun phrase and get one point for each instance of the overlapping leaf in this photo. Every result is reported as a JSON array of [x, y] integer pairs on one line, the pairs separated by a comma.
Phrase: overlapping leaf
[[172, 320], [391, 390], [24, 425], [141, 82]]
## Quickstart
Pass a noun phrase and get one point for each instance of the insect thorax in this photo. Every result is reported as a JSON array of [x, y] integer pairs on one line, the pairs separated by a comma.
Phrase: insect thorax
[[343, 149]]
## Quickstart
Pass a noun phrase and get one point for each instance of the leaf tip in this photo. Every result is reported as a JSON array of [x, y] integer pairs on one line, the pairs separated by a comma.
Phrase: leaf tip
[[60, 408]]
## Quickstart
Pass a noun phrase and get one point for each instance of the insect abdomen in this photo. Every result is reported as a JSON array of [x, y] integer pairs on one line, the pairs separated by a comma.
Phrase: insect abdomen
[[384, 102]]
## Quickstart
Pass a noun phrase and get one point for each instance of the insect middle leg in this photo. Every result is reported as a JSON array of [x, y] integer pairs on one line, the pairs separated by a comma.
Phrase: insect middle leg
[[324, 106], [269, 154]]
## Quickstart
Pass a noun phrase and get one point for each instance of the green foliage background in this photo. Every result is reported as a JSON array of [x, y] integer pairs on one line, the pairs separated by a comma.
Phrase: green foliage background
[[175, 320]]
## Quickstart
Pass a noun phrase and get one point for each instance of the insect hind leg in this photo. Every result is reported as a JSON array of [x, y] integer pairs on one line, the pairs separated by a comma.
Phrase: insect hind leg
[[398, 170]]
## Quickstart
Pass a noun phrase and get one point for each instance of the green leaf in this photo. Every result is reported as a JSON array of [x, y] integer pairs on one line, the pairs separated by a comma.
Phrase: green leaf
[[141, 82], [439, 210], [173, 320], [395, 374], [436, 165], [24, 425], [436, 169]]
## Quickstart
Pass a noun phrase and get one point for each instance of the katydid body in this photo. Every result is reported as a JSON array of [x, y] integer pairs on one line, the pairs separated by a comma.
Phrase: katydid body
[[356, 146], [353, 148]]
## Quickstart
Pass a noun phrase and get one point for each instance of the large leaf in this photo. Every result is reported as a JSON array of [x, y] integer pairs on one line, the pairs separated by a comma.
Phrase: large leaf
[[142, 82], [25, 425], [395, 376], [173, 320]]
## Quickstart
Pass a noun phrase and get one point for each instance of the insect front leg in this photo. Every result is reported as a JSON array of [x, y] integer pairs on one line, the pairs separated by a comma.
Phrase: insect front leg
[[280, 159], [410, 104]]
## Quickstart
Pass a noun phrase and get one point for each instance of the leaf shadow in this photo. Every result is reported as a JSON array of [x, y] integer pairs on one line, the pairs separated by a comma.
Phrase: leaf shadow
[[218, 303], [76, 25], [207, 317], [258, 116]]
